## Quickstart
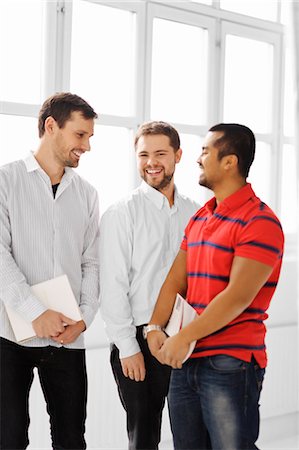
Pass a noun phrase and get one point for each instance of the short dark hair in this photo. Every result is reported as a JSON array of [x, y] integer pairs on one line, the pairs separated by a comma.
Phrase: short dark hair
[[60, 106], [159, 127], [238, 140]]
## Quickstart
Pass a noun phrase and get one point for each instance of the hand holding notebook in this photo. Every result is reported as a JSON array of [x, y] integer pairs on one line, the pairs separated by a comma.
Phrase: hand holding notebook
[[182, 314], [55, 294]]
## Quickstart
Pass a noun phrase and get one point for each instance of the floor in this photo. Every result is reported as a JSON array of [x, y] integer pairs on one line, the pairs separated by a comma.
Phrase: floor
[[290, 443]]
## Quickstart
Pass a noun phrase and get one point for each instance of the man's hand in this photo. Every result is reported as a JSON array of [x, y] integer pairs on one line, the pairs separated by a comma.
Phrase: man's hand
[[155, 340], [133, 367], [50, 324], [173, 351], [70, 333]]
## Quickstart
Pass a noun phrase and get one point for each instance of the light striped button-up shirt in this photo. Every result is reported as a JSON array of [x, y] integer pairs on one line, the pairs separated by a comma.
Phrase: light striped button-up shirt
[[140, 237], [42, 237]]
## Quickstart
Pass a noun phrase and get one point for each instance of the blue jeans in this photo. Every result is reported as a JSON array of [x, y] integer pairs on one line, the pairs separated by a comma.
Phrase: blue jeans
[[62, 375], [214, 403]]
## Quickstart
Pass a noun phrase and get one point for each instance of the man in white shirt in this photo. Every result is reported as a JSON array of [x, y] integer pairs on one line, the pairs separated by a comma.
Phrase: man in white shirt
[[49, 227], [140, 237]]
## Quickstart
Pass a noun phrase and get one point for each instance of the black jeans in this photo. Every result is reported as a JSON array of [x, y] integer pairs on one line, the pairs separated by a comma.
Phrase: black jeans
[[142, 400], [62, 374]]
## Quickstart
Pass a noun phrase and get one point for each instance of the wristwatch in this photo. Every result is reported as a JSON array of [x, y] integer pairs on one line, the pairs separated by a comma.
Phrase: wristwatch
[[151, 327]]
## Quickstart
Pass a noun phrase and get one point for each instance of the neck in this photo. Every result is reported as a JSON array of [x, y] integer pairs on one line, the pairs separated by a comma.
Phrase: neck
[[168, 192], [49, 165], [222, 192]]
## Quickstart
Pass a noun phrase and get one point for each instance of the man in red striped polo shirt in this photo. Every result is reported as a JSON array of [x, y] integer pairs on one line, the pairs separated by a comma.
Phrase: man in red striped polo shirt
[[228, 268]]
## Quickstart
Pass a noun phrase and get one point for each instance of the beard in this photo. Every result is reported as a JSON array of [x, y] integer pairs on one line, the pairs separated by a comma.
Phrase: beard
[[159, 186], [205, 183], [69, 163]]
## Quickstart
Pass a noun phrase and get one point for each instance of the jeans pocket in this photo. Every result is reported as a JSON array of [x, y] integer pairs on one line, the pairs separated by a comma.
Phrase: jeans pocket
[[259, 376], [225, 363]]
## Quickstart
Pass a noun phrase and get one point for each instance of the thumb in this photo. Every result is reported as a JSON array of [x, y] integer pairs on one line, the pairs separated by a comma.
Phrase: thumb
[[67, 320]]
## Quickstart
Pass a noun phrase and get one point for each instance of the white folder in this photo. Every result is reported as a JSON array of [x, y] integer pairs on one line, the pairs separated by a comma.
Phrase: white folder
[[182, 314], [55, 294]]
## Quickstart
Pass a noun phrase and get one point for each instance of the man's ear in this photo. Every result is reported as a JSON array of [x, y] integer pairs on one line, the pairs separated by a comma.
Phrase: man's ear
[[50, 124], [178, 155], [231, 162]]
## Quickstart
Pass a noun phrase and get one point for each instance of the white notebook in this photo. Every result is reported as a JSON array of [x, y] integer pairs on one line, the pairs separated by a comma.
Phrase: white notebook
[[182, 314], [55, 294]]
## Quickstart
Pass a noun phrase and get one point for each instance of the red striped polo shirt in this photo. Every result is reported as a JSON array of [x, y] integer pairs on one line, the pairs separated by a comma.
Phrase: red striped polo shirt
[[241, 225]]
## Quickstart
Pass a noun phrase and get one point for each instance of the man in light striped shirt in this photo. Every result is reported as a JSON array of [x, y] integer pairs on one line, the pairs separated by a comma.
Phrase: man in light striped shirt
[[48, 227]]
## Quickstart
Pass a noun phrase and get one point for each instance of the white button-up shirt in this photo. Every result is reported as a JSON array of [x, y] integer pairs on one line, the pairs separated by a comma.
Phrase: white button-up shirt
[[139, 239], [42, 237]]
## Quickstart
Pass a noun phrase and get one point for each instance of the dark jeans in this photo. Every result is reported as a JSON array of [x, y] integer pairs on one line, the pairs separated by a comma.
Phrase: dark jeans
[[142, 400], [63, 379], [214, 404]]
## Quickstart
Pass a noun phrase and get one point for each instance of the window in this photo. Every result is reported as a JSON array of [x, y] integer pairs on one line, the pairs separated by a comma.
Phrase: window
[[21, 51], [137, 61], [110, 164], [179, 72], [19, 135], [103, 57], [248, 83]]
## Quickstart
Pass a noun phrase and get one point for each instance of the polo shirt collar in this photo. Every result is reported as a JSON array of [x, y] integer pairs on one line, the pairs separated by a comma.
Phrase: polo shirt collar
[[155, 196]]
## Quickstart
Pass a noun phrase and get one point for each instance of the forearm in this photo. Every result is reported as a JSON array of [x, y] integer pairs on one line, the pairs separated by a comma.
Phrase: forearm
[[224, 308], [119, 324], [15, 291], [89, 297], [247, 277]]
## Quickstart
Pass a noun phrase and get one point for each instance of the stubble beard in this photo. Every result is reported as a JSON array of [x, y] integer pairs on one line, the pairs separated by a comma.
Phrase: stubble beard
[[205, 183], [164, 183]]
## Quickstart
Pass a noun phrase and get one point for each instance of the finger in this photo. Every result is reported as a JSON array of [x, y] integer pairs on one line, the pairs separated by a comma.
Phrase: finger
[[67, 320], [142, 374], [137, 376], [131, 375]]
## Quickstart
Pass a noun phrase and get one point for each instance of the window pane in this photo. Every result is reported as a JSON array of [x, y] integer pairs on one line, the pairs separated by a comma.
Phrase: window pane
[[290, 96], [263, 9], [19, 135], [259, 174], [103, 57], [187, 170], [21, 44], [110, 164], [248, 83], [179, 72], [289, 199]]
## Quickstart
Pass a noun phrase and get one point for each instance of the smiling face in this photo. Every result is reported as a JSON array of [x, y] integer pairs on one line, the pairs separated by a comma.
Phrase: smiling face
[[72, 141], [156, 160]]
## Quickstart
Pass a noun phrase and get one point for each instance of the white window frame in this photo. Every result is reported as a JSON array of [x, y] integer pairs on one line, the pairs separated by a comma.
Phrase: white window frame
[[157, 10], [274, 137]]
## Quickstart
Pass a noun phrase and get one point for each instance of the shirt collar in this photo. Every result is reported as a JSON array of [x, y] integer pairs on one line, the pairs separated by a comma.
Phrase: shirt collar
[[156, 196], [233, 201], [32, 164]]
